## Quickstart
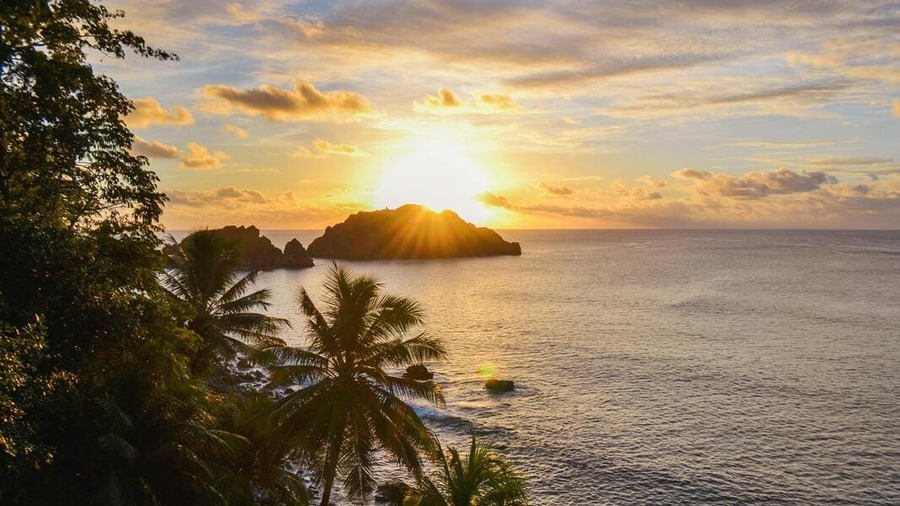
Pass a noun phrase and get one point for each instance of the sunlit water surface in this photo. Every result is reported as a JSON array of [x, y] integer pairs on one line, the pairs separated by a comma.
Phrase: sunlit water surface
[[670, 367]]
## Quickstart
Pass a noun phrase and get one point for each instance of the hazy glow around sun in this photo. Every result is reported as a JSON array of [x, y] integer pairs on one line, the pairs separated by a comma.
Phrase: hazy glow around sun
[[438, 174]]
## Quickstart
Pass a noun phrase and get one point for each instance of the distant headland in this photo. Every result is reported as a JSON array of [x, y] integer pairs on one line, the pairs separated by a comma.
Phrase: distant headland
[[410, 232]]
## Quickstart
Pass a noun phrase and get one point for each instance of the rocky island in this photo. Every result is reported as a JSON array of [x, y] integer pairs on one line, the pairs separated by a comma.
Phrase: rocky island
[[410, 232], [258, 252]]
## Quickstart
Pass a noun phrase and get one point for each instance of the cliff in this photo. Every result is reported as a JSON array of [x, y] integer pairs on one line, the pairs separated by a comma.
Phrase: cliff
[[408, 232]]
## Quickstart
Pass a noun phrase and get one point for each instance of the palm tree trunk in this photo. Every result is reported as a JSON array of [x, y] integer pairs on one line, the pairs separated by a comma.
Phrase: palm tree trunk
[[330, 472], [326, 492]]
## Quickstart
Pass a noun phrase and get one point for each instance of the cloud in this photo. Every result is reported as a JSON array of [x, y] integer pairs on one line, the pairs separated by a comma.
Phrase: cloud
[[897, 108], [236, 130], [498, 102], [803, 200], [324, 146], [303, 102], [747, 98], [785, 144], [494, 200], [754, 185], [323, 149], [198, 157], [228, 198], [652, 182], [859, 57], [447, 102], [240, 13], [153, 149], [445, 98], [147, 111], [635, 193], [303, 152], [231, 205], [555, 190]]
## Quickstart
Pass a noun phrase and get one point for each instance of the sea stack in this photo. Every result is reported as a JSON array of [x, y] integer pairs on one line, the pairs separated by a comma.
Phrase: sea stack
[[410, 232], [258, 252]]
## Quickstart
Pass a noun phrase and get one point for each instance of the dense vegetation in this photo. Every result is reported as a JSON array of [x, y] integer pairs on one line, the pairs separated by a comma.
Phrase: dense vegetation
[[110, 352]]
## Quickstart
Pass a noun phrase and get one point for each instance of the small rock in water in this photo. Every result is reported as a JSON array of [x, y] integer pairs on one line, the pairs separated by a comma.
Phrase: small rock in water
[[392, 492], [418, 372], [499, 385]]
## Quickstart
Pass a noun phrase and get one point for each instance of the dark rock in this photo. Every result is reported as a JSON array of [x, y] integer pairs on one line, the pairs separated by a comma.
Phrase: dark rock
[[258, 253], [392, 492], [409, 232], [295, 255], [499, 385], [418, 372]]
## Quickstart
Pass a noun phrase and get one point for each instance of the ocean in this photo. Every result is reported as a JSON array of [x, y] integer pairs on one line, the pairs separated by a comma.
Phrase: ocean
[[665, 367]]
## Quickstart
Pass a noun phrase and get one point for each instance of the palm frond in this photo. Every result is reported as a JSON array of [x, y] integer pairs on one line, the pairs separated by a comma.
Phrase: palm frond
[[398, 352], [414, 389], [240, 287]]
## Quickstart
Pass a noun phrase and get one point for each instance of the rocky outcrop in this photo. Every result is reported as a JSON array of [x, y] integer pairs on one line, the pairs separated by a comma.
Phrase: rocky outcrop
[[418, 372], [295, 255], [392, 492], [410, 232], [494, 385], [258, 253]]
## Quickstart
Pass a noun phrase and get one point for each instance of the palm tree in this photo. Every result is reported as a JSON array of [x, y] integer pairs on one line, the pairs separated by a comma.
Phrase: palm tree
[[351, 406], [259, 470], [479, 478], [202, 273]]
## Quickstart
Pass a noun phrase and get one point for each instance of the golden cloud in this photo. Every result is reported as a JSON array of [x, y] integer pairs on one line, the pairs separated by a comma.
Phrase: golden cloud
[[448, 102], [635, 193], [236, 130], [498, 102], [199, 157], [897, 108], [555, 190], [303, 102], [324, 146], [147, 111], [153, 149], [652, 182], [447, 99]]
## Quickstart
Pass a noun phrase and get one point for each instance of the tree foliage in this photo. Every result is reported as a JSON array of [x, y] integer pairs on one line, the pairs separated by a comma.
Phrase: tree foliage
[[202, 274], [64, 149], [478, 478], [352, 405], [99, 404]]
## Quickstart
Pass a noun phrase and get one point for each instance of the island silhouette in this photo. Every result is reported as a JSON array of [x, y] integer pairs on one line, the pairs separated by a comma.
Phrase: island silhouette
[[409, 232], [256, 251]]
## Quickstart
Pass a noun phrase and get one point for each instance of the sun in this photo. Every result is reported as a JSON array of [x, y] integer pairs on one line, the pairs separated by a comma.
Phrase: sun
[[437, 174]]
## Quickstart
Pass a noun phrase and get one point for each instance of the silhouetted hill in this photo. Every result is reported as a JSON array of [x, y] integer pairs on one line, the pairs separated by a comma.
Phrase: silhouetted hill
[[258, 252], [408, 232]]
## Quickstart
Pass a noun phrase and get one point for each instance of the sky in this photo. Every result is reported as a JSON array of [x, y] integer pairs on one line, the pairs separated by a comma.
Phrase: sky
[[521, 114]]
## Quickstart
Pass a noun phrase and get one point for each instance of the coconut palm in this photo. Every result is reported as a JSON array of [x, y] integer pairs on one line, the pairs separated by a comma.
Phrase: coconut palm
[[259, 471], [479, 478], [351, 405], [203, 274]]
